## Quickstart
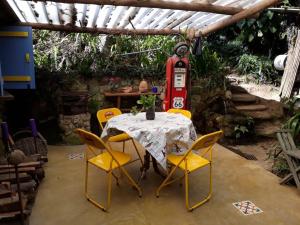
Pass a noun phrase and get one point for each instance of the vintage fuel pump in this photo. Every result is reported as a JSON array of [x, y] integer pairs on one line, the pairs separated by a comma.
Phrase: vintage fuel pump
[[177, 79]]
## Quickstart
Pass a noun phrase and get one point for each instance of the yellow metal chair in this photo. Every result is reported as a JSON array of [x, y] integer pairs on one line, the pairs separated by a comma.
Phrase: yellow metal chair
[[184, 112], [107, 161], [103, 116], [190, 162]]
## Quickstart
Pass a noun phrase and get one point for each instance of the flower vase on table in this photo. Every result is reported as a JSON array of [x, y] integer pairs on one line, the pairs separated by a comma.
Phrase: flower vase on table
[[150, 113], [148, 103]]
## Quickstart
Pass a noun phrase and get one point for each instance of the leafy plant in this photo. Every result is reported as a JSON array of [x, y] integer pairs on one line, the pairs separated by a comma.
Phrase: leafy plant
[[205, 65], [260, 67], [147, 101], [134, 110], [291, 103], [240, 130], [243, 130], [293, 124]]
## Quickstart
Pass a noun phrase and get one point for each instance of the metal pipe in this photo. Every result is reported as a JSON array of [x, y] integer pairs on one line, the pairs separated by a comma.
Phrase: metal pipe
[[285, 10]]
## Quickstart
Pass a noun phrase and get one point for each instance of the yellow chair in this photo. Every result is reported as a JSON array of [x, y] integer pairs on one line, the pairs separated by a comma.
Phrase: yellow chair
[[107, 160], [103, 116], [184, 112], [190, 162]]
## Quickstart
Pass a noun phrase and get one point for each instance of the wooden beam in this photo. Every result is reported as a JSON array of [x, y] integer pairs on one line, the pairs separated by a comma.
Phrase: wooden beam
[[237, 17], [193, 6], [114, 31]]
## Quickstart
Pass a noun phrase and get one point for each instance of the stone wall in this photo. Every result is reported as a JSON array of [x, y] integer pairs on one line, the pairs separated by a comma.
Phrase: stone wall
[[68, 123]]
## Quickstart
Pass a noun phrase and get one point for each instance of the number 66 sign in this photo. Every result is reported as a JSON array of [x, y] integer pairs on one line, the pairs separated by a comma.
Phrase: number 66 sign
[[178, 102]]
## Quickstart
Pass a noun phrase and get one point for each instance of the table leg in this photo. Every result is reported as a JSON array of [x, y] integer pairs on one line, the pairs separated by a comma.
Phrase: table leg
[[156, 169], [146, 165]]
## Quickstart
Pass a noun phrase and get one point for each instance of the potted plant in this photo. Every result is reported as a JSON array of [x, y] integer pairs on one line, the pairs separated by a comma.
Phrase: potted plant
[[148, 103]]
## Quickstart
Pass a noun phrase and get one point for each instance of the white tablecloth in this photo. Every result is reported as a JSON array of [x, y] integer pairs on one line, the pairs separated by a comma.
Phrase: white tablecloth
[[169, 132]]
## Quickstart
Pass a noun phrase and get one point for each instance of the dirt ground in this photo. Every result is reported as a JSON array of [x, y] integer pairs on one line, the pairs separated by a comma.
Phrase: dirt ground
[[260, 149]]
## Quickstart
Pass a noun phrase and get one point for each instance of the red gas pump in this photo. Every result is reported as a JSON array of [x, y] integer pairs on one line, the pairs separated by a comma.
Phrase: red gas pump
[[177, 79]]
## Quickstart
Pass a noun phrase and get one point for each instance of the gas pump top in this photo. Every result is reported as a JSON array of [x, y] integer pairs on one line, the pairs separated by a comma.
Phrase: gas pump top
[[181, 49]]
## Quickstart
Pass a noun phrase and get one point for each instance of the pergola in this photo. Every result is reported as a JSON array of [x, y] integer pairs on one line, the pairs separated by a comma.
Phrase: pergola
[[139, 17]]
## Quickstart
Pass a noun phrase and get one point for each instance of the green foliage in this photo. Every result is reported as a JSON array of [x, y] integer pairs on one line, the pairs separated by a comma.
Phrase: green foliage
[[94, 105], [293, 124], [208, 63], [229, 51], [260, 67], [147, 101], [291, 103], [87, 55], [280, 166], [240, 130], [244, 130], [264, 34], [134, 110], [69, 53]]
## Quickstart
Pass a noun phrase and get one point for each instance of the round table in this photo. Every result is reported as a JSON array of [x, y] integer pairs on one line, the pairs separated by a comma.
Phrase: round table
[[168, 132]]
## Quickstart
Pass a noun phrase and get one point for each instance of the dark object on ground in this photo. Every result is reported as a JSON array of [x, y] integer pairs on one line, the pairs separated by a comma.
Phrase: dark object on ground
[[243, 154], [30, 145]]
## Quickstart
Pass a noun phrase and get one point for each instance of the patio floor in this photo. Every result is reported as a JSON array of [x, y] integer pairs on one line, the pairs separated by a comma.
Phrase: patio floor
[[61, 201]]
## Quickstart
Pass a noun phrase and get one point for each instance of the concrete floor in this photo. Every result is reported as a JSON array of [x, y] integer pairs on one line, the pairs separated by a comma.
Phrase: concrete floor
[[61, 201]]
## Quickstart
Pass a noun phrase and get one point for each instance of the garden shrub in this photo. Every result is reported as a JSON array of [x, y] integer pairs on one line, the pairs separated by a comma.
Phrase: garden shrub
[[261, 68]]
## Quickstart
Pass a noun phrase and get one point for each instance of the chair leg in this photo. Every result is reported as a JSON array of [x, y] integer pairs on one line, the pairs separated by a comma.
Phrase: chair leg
[[109, 189], [165, 182], [206, 198], [286, 179], [132, 181], [116, 178], [86, 177], [186, 179], [289, 176], [123, 146], [86, 193], [137, 151]]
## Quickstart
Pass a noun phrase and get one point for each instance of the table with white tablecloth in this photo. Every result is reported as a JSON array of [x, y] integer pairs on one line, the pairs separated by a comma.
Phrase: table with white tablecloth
[[168, 132]]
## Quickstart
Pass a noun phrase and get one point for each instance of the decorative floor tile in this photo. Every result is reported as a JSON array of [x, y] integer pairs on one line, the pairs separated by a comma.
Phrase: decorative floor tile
[[76, 155], [247, 208]]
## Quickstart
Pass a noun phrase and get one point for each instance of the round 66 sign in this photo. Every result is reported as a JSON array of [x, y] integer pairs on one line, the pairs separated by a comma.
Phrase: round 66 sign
[[178, 102]]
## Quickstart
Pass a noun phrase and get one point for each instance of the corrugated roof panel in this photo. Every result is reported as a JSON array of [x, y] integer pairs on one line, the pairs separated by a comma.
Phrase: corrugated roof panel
[[108, 16]]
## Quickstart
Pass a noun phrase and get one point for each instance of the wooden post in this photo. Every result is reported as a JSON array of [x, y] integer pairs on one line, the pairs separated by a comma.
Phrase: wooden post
[[20, 195], [114, 31], [187, 6], [237, 17]]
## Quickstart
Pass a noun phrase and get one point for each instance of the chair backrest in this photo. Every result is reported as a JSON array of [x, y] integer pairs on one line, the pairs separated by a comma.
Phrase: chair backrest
[[286, 140], [103, 115], [184, 112], [90, 139], [93, 141], [206, 142]]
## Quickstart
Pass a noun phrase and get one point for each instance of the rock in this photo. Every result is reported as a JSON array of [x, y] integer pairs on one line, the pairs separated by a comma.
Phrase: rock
[[243, 98], [237, 89], [16, 157], [254, 107], [268, 128], [228, 95]]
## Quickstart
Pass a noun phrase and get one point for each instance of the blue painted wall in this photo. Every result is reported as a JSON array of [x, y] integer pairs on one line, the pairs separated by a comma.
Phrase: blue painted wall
[[13, 52]]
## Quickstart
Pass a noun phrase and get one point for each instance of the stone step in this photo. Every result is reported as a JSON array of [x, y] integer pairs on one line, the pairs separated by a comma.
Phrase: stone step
[[259, 115], [243, 98], [254, 107], [238, 89], [267, 129]]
